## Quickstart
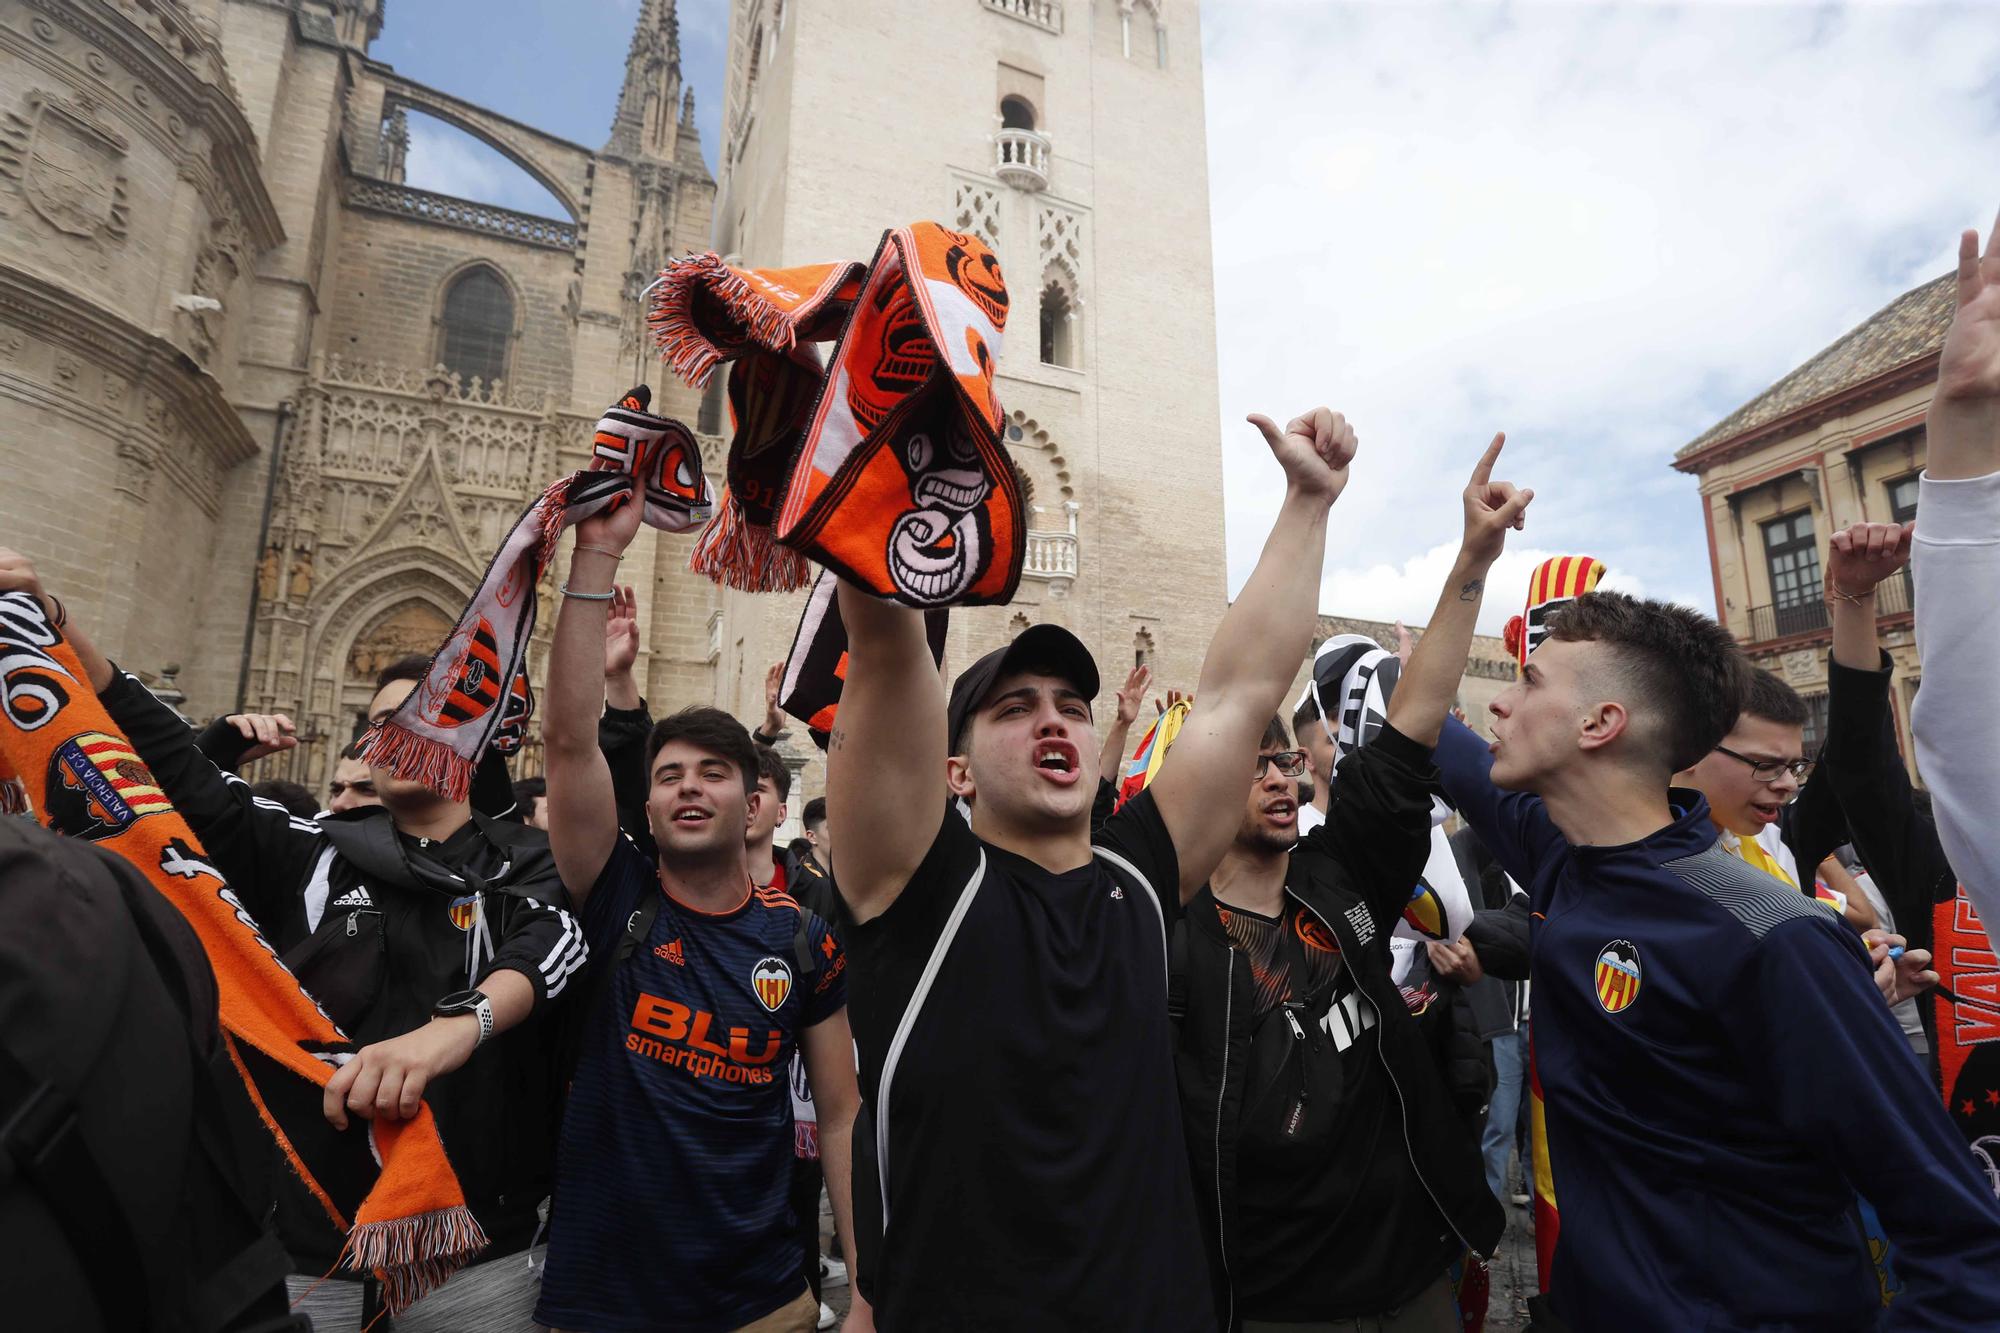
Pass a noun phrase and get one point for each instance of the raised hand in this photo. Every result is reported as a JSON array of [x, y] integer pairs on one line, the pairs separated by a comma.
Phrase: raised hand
[[1133, 694], [1863, 554], [612, 528], [621, 631], [1491, 508], [1314, 449], [774, 683], [1969, 367], [268, 733], [1173, 697]]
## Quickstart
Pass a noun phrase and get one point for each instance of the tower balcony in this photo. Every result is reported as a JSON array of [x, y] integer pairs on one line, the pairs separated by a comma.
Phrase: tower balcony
[[1021, 159], [1052, 552], [1044, 14]]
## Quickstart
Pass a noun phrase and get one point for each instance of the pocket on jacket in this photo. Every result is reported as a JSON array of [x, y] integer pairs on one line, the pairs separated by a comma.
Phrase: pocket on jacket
[[343, 964]]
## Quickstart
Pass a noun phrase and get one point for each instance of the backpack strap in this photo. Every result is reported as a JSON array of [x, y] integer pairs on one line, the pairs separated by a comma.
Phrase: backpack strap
[[805, 959], [637, 927]]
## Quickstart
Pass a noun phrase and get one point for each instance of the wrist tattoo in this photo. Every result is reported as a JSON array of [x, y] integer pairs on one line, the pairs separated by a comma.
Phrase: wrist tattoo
[[1471, 590]]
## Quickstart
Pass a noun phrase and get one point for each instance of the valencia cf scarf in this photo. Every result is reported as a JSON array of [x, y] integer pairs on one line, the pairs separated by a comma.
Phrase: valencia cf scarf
[[1967, 1000], [895, 476], [1556, 582], [387, 1183], [475, 692], [762, 322], [817, 665]]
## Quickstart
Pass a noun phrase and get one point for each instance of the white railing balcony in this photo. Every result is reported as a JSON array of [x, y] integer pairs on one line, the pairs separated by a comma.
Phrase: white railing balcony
[[1021, 159], [1052, 553], [1044, 14]]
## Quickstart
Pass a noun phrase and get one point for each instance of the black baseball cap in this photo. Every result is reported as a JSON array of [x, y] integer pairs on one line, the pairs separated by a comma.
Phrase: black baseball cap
[[1047, 646]]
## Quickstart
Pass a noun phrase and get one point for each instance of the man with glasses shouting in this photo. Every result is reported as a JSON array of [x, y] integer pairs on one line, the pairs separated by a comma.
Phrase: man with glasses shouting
[[1759, 797]]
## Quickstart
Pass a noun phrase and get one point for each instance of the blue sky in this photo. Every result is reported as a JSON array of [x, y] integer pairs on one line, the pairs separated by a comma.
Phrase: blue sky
[[1598, 226]]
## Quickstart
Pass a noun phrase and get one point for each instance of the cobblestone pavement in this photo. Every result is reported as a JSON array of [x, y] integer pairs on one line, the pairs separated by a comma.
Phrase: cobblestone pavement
[[1513, 1273]]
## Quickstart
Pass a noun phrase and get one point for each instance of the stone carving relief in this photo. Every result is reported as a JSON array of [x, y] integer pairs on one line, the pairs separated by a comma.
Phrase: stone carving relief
[[61, 161], [216, 269], [975, 208], [1059, 243], [1801, 666]]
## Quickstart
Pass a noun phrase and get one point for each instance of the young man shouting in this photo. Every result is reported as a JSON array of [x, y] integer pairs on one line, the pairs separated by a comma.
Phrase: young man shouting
[[1334, 1179], [1720, 1076], [677, 1144], [1020, 1162]]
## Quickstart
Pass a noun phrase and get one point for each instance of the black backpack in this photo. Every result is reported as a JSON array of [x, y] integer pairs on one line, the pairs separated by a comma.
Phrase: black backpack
[[122, 1120]]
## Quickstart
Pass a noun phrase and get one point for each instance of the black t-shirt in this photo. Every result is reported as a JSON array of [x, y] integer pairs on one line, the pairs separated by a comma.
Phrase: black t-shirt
[[1029, 1130], [1332, 1219]]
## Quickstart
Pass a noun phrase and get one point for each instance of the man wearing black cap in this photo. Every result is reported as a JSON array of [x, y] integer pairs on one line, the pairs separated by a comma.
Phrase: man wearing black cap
[[1018, 1163]]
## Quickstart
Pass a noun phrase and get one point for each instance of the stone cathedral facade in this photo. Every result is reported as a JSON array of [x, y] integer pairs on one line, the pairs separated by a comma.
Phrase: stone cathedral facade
[[266, 409]]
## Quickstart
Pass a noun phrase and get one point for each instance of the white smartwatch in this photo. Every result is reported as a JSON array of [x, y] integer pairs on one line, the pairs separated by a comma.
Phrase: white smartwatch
[[468, 1002]]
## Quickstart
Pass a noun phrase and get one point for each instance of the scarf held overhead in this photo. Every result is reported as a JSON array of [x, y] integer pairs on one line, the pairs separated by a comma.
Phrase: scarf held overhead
[[817, 665], [388, 1184], [475, 691], [894, 476]]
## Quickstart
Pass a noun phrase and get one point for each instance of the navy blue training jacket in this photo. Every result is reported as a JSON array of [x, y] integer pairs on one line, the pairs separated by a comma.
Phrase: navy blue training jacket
[[1720, 1077]]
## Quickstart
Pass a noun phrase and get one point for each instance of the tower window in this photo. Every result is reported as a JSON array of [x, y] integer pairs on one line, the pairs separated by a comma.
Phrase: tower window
[[1058, 326], [1016, 114], [477, 325]]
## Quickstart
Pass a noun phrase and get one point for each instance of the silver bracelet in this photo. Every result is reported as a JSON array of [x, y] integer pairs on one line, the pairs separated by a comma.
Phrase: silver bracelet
[[568, 591]]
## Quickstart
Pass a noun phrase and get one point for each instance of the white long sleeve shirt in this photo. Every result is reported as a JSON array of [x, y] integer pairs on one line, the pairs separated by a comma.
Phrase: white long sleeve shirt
[[1956, 720]]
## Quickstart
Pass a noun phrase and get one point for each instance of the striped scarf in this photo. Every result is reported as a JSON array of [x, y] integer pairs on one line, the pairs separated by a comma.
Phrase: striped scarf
[[815, 669], [887, 466], [387, 1183], [475, 692]]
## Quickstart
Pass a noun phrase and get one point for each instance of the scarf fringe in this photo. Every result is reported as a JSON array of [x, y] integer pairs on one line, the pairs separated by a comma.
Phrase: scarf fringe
[[421, 759], [739, 554], [681, 343], [414, 1255]]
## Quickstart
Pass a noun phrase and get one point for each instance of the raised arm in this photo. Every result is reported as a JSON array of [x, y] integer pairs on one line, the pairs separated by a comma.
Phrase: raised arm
[[1956, 720], [583, 811], [1130, 698], [1256, 650], [1430, 680], [885, 757]]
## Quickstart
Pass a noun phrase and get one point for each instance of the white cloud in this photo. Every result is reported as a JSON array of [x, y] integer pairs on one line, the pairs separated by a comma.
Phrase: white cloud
[[446, 160], [1600, 227], [1408, 589]]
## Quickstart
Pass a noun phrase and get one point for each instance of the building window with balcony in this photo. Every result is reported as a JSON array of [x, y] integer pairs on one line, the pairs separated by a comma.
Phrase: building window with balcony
[[476, 325], [1815, 723], [1016, 114], [1903, 499], [1792, 557]]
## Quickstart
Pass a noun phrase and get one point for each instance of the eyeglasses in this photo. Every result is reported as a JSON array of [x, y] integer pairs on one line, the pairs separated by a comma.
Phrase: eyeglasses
[[1289, 763], [1767, 770]]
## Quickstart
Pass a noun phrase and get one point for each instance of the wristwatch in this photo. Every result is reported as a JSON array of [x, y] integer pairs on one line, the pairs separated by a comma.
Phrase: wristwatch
[[467, 1002]]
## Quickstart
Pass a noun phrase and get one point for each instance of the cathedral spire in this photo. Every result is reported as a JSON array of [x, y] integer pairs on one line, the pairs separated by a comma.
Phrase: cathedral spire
[[645, 124]]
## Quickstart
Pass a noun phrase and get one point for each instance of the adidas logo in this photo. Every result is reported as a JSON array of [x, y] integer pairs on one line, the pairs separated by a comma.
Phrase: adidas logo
[[354, 897], [671, 951]]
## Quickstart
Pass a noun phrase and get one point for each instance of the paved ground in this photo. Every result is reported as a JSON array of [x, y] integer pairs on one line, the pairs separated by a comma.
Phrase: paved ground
[[1513, 1273]]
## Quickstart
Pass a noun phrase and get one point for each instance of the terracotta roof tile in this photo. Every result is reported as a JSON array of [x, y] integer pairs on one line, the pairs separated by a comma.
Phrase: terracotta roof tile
[[1909, 327]]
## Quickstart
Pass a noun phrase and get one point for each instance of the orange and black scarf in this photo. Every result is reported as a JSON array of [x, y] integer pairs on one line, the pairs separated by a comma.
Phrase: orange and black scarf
[[887, 467], [816, 668], [475, 693], [388, 1184]]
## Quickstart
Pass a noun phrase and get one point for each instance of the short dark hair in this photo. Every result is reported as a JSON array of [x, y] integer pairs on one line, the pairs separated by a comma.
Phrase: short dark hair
[[1275, 735], [527, 791], [296, 799], [1773, 700], [1305, 714], [352, 750], [769, 765], [411, 666], [1685, 666], [815, 812], [800, 848], [708, 729]]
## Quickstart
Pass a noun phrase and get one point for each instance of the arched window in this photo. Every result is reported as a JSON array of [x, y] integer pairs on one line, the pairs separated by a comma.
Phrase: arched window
[[1016, 113], [1058, 325], [477, 325]]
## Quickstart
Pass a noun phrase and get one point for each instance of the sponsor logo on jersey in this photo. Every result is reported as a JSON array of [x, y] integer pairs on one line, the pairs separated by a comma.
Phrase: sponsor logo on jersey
[[464, 911], [97, 787], [772, 980], [692, 1040], [672, 952], [1424, 913], [1313, 935], [354, 897], [1617, 975]]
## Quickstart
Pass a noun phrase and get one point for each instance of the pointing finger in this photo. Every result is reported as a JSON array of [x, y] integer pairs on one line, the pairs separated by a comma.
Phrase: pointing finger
[[1483, 470]]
